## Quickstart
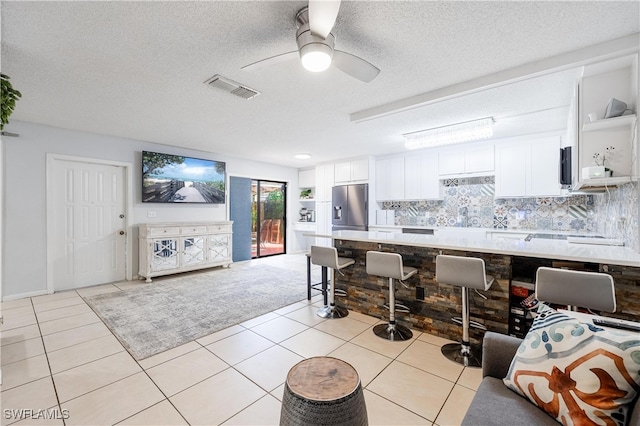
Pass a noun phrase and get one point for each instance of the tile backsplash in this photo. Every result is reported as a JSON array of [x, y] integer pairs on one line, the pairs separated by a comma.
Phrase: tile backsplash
[[471, 202], [617, 214]]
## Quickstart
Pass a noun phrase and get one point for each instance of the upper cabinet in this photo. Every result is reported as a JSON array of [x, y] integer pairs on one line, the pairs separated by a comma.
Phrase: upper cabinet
[[466, 160], [410, 177], [421, 177], [307, 178], [355, 171], [390, 173], [528, 167], [324, 182], [611, 138]]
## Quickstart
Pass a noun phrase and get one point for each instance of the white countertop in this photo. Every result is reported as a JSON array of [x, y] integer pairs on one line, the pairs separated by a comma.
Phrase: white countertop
[[541, 248]]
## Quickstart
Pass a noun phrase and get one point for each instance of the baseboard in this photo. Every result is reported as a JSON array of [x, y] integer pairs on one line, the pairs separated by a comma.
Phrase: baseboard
[[23, 295]]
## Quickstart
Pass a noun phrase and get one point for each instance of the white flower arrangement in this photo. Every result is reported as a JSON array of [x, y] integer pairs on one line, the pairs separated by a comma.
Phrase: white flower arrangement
[[601, 158]]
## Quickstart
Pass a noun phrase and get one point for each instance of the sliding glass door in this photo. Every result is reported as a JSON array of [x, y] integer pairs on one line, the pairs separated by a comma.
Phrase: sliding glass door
[[268, 218]]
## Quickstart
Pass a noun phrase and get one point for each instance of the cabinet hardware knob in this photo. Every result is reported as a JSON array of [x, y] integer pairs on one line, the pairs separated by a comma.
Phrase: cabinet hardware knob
[[121, 232], [121, 216]]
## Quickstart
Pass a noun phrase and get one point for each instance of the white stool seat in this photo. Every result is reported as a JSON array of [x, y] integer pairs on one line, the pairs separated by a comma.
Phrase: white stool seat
[[328, 257], [390, 265], [464, 272], [592, 290]]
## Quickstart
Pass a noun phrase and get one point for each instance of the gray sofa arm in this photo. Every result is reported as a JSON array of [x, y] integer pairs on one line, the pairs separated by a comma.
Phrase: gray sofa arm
[[497, 352]]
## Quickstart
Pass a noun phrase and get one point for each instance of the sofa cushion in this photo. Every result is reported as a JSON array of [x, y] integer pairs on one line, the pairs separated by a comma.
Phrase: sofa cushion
[[496, 405], [577, 372]]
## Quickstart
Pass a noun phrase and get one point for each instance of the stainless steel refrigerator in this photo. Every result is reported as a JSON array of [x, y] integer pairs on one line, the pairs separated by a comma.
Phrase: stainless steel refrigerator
[[349, 207]]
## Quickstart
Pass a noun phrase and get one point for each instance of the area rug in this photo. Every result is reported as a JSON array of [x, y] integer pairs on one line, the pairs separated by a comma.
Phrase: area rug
[[172, 311]]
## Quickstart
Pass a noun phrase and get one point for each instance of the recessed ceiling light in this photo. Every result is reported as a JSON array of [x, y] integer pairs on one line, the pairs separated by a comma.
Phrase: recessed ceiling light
[[302, 156]]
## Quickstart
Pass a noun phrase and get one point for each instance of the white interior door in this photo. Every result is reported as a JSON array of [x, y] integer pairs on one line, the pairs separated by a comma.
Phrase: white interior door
[[89, 238]]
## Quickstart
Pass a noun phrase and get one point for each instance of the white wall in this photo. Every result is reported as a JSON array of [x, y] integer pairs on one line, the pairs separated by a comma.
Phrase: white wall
[[24, 195]]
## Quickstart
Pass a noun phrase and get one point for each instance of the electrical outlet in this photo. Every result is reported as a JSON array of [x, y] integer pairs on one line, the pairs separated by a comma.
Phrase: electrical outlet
[[419, 293], [151, 213]]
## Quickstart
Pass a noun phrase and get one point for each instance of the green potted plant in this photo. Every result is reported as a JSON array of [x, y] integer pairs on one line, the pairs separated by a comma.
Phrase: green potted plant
[[305, 194], [8, 99]]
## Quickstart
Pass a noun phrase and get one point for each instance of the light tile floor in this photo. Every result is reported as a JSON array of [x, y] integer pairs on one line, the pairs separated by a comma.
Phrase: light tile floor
[[59, 360]]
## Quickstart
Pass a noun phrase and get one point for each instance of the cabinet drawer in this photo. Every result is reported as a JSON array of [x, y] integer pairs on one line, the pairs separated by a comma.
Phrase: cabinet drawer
[[157, 232], [193, 230], [219, 228]]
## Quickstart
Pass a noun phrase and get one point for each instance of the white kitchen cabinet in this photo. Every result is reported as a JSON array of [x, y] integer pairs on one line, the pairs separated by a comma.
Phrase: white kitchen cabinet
[[528, 168], [324, 182], [169, 248], [451, 162], [600, 82], [421, 176], [323, 223], [479, 159], [543, 172], [354, 171], [466, 160], [390, 179], [307, 178], [511, 174]]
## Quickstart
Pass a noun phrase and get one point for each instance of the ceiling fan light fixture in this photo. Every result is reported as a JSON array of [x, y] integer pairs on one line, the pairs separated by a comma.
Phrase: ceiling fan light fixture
[[316, 57]]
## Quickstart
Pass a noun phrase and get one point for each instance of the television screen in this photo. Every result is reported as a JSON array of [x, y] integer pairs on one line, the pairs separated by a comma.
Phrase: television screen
[[168, 178]]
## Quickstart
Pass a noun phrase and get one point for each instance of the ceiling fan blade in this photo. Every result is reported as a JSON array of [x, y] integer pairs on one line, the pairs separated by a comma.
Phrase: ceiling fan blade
[[322, 16], [283, 57], [354, 66]]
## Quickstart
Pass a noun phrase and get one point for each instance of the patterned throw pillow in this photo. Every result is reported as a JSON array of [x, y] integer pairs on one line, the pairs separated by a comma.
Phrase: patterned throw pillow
[[578, 373]]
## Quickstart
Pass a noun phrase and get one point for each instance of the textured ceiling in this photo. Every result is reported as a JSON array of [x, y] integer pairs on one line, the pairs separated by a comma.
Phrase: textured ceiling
[[136, 70]]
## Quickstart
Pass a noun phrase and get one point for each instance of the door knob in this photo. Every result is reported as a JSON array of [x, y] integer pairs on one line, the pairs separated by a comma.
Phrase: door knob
[[121, 232]]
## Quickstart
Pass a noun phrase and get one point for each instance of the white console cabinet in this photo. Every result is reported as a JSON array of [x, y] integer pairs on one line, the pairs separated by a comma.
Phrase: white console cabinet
[[169, 248]]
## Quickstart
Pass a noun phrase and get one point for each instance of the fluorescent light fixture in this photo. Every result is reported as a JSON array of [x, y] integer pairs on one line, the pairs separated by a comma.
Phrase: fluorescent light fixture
[[316, 57], [302, 156], [447, 135]]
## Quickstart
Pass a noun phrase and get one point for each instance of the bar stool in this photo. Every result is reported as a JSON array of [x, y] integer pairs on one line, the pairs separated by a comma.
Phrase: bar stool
[[464, 272], [592, 290], [322, 286], [389, 265], [328, 257]]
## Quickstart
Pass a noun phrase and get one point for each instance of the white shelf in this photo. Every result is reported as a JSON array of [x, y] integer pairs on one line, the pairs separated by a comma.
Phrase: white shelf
[[601, 182], [609, 123], [306, 200], [304, 226]]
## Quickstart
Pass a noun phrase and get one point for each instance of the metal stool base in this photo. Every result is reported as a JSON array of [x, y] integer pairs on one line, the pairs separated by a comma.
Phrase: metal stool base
[[395, 332], [472, 357], [332, 312]]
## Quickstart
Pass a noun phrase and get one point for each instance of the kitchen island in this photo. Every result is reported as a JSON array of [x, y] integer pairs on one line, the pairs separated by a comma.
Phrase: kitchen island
[[432, 305]]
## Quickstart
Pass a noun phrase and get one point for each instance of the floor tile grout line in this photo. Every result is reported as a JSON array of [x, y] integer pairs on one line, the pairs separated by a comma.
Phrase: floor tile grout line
[[445, 402], [67, 316], [53, 382], [398, 405]]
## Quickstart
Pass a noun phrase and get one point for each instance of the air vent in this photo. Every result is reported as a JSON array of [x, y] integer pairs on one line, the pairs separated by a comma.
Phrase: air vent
[[230, 86]]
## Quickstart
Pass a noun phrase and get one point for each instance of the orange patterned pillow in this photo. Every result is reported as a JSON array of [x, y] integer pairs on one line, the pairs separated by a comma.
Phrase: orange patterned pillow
[[580, 374]]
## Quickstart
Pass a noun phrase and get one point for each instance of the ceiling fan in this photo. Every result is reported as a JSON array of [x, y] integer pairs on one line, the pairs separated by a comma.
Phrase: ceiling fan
[[316, 44]]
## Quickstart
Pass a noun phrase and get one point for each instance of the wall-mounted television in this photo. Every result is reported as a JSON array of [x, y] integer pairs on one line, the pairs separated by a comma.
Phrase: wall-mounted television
[[168, 178]]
